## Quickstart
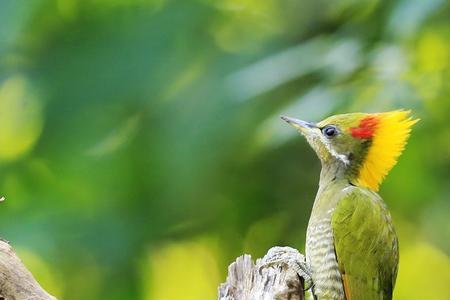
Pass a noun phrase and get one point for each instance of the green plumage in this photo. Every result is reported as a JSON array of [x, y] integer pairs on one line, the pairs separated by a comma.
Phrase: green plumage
[[351, 244], [365, 244]]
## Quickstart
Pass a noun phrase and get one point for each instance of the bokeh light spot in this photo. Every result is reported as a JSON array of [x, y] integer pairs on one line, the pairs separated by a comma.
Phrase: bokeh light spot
[[21, 118]]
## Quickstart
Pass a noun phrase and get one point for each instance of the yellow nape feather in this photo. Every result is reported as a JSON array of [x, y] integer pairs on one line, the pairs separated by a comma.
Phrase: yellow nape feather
[[388, 142]]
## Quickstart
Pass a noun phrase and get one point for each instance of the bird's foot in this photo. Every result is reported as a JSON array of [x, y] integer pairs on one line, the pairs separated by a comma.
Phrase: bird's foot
[[291, 258]]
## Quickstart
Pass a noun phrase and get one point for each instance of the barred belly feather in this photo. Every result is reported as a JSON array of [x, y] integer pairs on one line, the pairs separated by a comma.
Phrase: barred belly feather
[[322, 258]]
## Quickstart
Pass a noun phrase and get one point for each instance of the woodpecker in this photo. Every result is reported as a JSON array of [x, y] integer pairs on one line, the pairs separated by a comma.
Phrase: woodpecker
[[351, 244]]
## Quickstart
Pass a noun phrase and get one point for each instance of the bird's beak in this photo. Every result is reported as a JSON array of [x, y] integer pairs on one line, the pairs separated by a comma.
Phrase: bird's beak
[[302, 126]]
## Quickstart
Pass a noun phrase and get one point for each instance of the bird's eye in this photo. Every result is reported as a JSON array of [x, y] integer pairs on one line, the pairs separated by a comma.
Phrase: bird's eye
[[329, 131]]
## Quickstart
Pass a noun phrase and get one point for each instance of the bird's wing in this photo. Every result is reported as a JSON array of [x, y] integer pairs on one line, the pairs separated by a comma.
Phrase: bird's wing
[[365, 245]]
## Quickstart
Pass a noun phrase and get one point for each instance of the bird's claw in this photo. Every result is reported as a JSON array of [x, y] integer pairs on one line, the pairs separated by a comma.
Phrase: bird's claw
[[291, 258]]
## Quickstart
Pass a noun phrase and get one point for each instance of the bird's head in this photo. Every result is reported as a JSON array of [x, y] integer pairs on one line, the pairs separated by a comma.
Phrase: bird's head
[[365, 146]]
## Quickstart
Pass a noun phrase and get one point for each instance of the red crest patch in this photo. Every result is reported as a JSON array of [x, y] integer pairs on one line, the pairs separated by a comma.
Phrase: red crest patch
[[366, 128]]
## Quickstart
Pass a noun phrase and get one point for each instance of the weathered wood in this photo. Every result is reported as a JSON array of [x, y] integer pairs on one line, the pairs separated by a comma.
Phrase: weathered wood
[[16, 282], [249, 281]]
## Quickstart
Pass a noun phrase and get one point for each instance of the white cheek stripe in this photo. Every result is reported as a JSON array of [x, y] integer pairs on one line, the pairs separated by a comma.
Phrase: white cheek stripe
[[341, 157]]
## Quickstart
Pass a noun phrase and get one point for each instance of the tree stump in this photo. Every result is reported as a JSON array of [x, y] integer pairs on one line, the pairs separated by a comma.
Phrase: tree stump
[[249, 281], [16, 282]]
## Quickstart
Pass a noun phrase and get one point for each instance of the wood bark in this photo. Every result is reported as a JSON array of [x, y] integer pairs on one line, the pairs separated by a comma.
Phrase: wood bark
[[16, 282], [254, 281]]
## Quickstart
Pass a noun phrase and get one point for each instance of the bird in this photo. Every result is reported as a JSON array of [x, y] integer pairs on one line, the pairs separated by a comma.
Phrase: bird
[[352, 250]]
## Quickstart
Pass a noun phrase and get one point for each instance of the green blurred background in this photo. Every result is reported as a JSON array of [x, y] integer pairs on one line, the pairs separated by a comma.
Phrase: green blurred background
[[141, 148]]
